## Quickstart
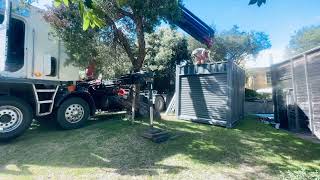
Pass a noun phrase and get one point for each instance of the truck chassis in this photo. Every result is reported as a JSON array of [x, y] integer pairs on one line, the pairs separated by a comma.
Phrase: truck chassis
[[22, 100]]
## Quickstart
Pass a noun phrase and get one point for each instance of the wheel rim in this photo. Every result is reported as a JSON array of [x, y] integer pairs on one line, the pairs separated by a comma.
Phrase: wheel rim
[[74, 113], [10, 118]]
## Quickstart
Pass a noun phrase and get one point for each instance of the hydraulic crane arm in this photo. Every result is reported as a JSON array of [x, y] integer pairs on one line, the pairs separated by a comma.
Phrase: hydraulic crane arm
[[195, 27]]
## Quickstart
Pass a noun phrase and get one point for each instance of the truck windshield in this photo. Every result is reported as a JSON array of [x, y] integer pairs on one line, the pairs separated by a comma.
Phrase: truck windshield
[[16, 40]]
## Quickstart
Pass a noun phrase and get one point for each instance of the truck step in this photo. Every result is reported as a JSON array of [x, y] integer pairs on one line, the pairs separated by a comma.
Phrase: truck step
[[45, 90], [44, 114], [46, 102]]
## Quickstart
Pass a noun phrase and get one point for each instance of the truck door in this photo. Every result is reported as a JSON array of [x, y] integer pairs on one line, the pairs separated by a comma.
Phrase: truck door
[[16, 43]]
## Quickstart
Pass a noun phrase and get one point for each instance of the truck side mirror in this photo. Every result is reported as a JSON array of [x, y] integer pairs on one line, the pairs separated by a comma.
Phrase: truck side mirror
[[49, 66]]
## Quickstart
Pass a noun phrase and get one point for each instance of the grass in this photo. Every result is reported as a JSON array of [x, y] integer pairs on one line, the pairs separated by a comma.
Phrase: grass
[[111, 148]]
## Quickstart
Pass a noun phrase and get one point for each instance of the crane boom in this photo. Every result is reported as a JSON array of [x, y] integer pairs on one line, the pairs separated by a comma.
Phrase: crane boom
[[195, 27]]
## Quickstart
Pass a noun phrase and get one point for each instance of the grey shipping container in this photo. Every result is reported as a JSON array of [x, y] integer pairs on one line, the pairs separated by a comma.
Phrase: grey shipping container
[[210, 93], [296, 92]]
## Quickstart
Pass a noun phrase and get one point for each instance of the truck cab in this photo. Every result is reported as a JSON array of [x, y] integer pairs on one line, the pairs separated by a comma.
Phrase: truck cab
[[35, 81], [32, 50]]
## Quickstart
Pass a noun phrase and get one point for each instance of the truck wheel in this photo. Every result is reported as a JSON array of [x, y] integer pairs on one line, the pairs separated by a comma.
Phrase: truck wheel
[[15, 117], [159, 104], [73, 113]]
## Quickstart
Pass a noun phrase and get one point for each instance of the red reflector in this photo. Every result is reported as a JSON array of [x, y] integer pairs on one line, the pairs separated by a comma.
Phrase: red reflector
[[121, 92], [71, 88]]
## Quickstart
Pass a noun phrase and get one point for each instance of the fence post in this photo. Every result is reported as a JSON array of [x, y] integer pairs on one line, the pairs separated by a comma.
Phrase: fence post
[[275, 100], [177, 91], [308, 93], [243, 90], [229, 100], [295, 95]]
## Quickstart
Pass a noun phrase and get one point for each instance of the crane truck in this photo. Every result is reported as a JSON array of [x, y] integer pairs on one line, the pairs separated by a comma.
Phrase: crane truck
[[35, 82]]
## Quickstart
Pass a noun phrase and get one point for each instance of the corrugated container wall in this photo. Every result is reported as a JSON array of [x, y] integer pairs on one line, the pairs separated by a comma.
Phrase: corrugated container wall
[[210, 93]]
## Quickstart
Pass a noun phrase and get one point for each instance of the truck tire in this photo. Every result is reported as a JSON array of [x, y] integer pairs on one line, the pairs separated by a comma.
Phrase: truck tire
[[159, 104], [15, 117], [73, 113]]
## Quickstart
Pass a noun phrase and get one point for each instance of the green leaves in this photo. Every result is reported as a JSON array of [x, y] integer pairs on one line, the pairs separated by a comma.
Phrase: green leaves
[[86, 21], [122, 2], [90, 19], [57, 3], [236, 45], [304, 39], [66, 2], [258, 2], [164, 48], [81, 7]]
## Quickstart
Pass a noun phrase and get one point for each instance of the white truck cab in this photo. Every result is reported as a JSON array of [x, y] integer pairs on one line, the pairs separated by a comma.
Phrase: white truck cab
[[34, 78], [32, 52]]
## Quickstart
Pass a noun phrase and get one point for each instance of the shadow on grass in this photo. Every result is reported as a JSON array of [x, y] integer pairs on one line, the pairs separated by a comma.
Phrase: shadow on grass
[[108, 142]]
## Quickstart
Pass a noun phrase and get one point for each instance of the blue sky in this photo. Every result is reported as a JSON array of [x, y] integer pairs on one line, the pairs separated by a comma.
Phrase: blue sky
[[278, 18]]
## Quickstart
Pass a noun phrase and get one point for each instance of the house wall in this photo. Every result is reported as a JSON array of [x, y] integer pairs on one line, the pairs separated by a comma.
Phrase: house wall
[[296, 92], [257, 78]]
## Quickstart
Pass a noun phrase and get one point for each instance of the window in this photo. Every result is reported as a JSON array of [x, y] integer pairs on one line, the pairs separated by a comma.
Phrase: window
[[1, 18], [268, 77], [16, 36], [53, 72]]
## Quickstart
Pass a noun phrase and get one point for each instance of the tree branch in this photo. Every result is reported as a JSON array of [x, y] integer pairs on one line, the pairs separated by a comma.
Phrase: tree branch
[[126, 13], [122, 39]]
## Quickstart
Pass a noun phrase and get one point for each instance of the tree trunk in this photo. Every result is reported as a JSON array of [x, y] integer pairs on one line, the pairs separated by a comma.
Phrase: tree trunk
[[136, 89], [137, 65], [135, 101]]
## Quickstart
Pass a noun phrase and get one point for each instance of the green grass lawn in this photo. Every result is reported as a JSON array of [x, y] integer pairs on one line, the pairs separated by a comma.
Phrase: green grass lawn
[[111, 148]]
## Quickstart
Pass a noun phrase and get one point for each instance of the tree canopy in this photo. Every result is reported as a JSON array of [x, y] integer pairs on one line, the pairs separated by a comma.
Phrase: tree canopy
[[87, 47], [235, 45], [126, 21], [165, 48], [303, 40]]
